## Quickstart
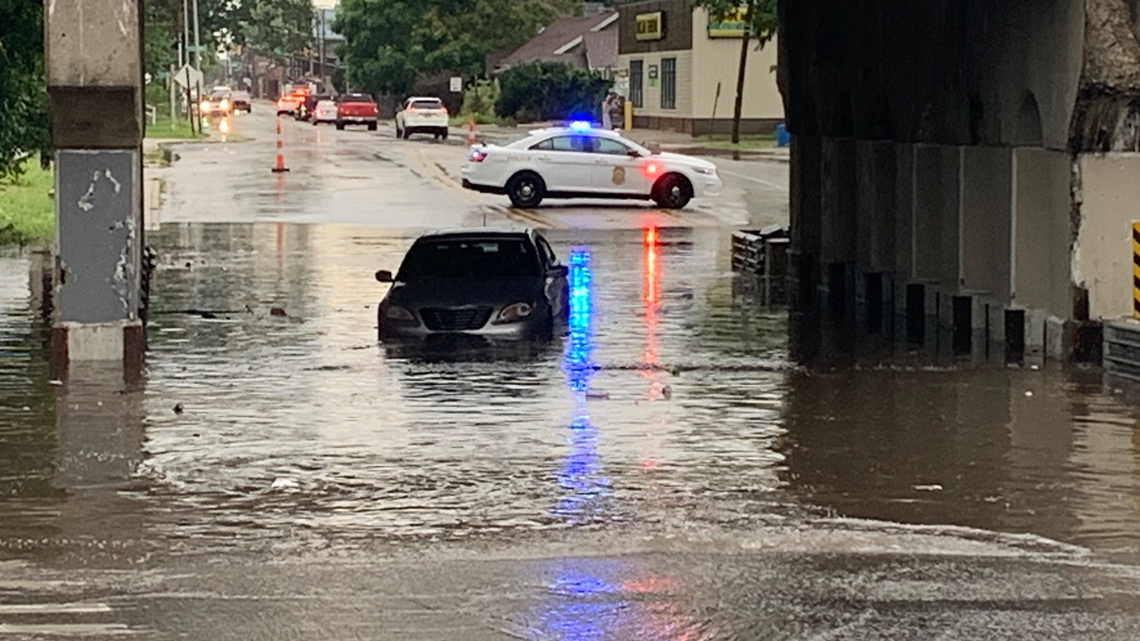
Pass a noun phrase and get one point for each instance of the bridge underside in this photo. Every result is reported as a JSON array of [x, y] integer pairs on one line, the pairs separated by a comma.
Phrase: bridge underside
[[964, 166]]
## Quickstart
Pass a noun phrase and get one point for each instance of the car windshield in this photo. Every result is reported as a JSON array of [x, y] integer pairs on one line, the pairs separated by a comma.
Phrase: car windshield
[[431, 103], [469, 258]]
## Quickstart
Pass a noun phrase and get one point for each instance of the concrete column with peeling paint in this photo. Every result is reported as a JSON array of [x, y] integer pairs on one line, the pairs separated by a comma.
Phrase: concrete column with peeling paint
[[93, 55]]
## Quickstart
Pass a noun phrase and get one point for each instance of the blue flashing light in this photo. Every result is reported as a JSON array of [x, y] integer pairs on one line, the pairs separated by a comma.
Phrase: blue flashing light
[[580, 126]]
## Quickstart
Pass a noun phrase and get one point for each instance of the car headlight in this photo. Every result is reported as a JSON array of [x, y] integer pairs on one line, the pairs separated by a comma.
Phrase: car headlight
[[705, 170], [205, 105], [397, 313], [225, 104], [514, 313]]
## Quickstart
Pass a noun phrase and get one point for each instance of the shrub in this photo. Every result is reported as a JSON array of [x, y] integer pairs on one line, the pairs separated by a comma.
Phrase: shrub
[[550, 91], [479, 99]]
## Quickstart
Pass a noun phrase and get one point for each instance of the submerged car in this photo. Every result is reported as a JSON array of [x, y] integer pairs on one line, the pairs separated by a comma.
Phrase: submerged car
[[500, 284], [580, 161]]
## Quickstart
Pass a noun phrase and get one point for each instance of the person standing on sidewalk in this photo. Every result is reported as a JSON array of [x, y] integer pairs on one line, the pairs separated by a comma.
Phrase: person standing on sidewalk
[[607, 110]]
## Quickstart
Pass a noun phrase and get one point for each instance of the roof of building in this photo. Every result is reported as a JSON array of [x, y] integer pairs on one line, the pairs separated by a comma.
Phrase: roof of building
[[561, 41], [602, 48]]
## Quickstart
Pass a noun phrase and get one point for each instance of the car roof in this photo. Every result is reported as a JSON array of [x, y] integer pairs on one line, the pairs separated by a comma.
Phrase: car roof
[[600, 133], [481, 232], [424, 98]]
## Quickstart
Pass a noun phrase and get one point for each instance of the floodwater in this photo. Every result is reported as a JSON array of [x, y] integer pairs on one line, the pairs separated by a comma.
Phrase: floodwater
[[664, 470], [670, 408]]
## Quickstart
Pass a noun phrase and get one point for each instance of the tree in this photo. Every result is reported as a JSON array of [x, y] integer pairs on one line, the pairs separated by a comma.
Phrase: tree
[[759, 18], [389, 44], [23, 96]]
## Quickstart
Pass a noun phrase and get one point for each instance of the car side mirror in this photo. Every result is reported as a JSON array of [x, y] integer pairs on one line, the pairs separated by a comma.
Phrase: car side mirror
[[559, 271], [384, 276], [633, 153]]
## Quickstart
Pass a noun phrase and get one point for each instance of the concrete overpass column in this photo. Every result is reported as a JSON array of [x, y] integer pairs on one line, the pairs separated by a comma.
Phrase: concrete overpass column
[[804, 200], [987, 200], [1041, 248], [94, 76], [877, 193], [839, 224], [935, 238]]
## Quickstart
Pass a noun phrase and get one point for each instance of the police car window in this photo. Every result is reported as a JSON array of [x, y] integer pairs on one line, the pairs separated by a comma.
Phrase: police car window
[[608, 146], [565, 143]]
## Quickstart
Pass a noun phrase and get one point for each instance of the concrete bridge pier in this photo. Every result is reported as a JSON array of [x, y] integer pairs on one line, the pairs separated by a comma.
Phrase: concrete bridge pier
[[944, 162], [93, 56]]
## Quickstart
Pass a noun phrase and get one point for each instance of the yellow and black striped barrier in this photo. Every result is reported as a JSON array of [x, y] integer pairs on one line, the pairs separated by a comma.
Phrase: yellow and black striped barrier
[[1136, 270]]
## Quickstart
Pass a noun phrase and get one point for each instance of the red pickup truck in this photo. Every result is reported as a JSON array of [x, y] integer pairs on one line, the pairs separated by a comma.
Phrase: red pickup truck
[[356, 109]]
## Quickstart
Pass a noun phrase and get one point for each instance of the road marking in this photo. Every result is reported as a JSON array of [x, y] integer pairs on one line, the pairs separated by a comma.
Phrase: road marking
[[533, 218], [755, 179], [54, 608], [64, 629]]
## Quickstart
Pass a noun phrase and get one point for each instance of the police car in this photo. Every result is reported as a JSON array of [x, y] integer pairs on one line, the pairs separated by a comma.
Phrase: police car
[[580, 161]]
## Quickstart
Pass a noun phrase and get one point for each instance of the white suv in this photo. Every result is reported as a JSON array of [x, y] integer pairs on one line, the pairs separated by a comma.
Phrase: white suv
[[421, 115]]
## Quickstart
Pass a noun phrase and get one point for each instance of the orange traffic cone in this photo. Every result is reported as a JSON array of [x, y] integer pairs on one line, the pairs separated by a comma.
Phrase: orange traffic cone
[[280, 168]]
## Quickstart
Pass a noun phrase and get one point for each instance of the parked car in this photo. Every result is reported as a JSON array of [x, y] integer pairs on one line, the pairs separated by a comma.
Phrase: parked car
[[421, 115], [582, 162], [305, 109], [500, 284], [241, 101], [324, 111], [356, 109]]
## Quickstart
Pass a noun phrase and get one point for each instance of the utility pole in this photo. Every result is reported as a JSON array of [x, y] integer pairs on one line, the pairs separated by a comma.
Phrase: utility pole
[[186, 30], [93, 65], [197, 44]]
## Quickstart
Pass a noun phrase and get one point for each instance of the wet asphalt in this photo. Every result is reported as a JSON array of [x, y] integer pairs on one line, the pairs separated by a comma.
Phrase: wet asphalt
[[664, 470]]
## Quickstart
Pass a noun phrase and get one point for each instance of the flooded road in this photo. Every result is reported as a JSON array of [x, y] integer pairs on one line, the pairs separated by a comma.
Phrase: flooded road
[[662, 471]]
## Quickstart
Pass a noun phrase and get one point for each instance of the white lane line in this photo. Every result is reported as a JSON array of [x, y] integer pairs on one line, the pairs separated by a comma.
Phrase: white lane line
[[64, 630], [54, 608], [755, 179]]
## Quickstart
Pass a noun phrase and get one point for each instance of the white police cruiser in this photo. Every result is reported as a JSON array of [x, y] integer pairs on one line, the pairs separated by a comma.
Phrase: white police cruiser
[[579, 161]]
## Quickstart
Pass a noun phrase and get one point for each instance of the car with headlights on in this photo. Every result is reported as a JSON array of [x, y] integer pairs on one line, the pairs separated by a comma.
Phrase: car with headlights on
[[580, 161], [496, 284], [219, 103]]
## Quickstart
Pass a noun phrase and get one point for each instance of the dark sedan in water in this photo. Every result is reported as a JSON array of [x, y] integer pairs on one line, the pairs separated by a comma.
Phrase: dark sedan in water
[[484, 282]]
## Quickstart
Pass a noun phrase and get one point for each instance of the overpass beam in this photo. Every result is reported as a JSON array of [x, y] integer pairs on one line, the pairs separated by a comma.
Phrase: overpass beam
[[93, 55]]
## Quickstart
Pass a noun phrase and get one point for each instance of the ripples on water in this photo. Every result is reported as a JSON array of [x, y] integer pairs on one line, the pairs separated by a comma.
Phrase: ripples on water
[[668, 409]]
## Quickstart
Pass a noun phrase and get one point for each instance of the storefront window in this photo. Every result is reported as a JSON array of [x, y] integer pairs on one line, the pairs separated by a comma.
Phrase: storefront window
[[668, 83], [636, 93]]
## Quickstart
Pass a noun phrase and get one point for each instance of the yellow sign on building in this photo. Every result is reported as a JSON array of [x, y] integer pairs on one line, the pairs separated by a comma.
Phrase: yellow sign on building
[[649, 26], [733, 25]]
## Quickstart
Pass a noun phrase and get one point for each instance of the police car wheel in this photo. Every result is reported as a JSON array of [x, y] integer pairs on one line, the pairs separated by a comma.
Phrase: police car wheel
[[526, 189], [672, 191]]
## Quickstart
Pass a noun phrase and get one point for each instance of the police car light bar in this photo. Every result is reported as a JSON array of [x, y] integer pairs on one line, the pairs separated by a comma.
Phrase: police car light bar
[[580, 126]]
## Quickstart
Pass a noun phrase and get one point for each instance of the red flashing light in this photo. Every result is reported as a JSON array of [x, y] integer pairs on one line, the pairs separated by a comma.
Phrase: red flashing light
[[477, 155], [651, 168]]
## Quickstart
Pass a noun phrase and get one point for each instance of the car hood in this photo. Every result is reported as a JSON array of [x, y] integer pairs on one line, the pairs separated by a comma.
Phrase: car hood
[[458, 292], [682, 159]]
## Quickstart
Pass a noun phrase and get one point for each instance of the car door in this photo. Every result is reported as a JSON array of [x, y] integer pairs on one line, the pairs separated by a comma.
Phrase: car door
[[557, 285], [617, 168], [564, 162]]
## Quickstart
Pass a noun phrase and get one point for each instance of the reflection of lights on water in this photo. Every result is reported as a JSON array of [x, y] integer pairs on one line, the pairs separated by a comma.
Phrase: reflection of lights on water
[[580, 475], [224, 126], [652, 291], [578, 367]]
